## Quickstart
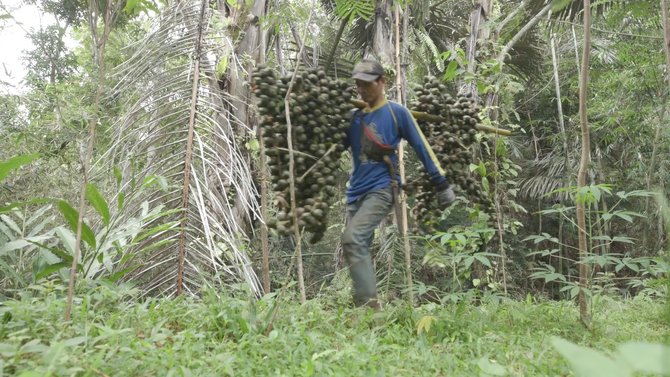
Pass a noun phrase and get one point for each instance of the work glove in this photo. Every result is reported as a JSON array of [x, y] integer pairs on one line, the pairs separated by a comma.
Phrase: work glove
[[445, 195]]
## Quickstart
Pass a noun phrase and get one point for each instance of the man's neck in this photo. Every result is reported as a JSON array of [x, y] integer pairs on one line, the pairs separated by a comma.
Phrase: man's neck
[[380, 101]]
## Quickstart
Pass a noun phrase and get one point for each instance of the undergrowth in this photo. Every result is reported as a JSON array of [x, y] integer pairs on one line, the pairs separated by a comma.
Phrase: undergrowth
[[114, 332]]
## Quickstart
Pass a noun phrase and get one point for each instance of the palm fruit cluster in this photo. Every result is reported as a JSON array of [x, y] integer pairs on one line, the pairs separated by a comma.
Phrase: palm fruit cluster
[[451, 138], [319, 108]]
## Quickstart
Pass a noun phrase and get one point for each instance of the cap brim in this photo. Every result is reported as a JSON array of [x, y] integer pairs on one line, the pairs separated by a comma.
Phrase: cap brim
[[364, 76]]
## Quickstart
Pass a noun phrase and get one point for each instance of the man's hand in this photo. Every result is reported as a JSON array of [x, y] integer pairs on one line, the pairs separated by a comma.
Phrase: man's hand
[[445, 196]]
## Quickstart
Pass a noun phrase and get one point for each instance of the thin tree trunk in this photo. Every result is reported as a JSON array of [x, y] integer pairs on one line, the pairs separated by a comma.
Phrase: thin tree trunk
[[583, 166], [291, 167], [559, 105], [99, 46], [252, 47], [471, 48], [666, 37], [264, 181], [402, 221], [574, 42]]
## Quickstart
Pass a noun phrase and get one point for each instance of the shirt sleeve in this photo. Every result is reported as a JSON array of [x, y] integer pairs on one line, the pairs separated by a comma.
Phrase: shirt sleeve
[[410, 131]]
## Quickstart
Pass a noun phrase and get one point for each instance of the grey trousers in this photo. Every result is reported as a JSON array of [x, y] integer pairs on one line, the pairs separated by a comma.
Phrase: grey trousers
[[363, 216]]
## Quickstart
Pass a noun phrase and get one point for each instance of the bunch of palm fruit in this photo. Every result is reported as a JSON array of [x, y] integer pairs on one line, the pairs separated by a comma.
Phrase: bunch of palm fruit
[[319, 111], [451, 131]]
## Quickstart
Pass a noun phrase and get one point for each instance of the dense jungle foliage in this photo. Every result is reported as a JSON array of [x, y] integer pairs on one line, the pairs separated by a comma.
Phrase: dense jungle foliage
[[134, 191]]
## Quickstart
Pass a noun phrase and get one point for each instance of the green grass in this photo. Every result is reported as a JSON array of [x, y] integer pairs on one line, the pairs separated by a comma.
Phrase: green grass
[[113, 333]]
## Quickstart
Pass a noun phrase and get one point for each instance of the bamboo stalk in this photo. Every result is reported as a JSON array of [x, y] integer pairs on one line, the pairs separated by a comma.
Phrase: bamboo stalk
[[401, 209], [436, 118]]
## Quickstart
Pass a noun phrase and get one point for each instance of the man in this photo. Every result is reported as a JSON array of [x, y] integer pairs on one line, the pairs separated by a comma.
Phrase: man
[[375, 132]]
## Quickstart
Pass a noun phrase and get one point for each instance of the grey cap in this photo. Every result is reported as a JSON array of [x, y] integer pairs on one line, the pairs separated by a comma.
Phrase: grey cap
[[367, 70]]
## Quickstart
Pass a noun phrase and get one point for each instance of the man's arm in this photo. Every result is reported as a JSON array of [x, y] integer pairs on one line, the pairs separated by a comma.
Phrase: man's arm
[[410, 131]]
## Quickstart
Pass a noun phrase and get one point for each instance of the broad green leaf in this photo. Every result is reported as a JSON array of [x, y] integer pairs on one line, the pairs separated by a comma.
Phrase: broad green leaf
[[484, 260], [19, 244], [98, 202], [15, 163], [34, 346], [625, 217], [424, 324], [75, 341], [646, 357], [130, 6], [623, 239], [118, 175], [49, 269], [222, 66], [485, 184], [72, 217], [602, 238], [450, 72], [11, 206], [7, 350], [67, 237], [11, 224], [120, 200]]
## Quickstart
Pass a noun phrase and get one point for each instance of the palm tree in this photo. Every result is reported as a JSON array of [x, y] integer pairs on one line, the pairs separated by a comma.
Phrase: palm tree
[[179, 129]]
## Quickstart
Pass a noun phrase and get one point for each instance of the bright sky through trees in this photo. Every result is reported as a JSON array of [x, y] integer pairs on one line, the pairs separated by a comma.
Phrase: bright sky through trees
[[14, 39]]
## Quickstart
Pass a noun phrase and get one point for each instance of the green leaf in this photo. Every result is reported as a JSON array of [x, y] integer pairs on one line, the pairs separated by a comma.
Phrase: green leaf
[[11, 206], [559, 5], [587, 362], [49, 269], [485, 184], [72, 217], [450, 72], [19, 244], [491, 368], [222, 66], [130, 6], [646, 357], [60, 253], [15, 163], [120, 200], [98, 202], [484, 260], [424, 324], [118, 175]]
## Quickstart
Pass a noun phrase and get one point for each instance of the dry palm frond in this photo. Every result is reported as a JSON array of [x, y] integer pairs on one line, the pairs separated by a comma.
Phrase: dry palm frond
[[177, 128]]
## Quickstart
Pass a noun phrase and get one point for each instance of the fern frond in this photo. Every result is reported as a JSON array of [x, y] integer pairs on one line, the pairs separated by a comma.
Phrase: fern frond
[[428, 42], [354, 9]]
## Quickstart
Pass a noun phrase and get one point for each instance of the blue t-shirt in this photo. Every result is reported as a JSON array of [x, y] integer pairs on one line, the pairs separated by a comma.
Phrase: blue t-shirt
[[389, 122]]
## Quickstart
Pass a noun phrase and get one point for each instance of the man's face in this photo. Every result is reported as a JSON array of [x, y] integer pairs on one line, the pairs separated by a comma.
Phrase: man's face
[[372, 92]]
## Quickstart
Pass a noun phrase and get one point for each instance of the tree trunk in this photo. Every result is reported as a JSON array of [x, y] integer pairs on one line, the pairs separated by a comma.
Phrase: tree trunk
[[99, 46], [382, 40], [248, 52], [583, 165], [402, 200], [478, 16]]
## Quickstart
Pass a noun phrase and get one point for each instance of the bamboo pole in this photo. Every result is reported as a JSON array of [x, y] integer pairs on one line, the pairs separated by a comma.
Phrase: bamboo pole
[[401, 213], [418, 115], [585, 159]]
